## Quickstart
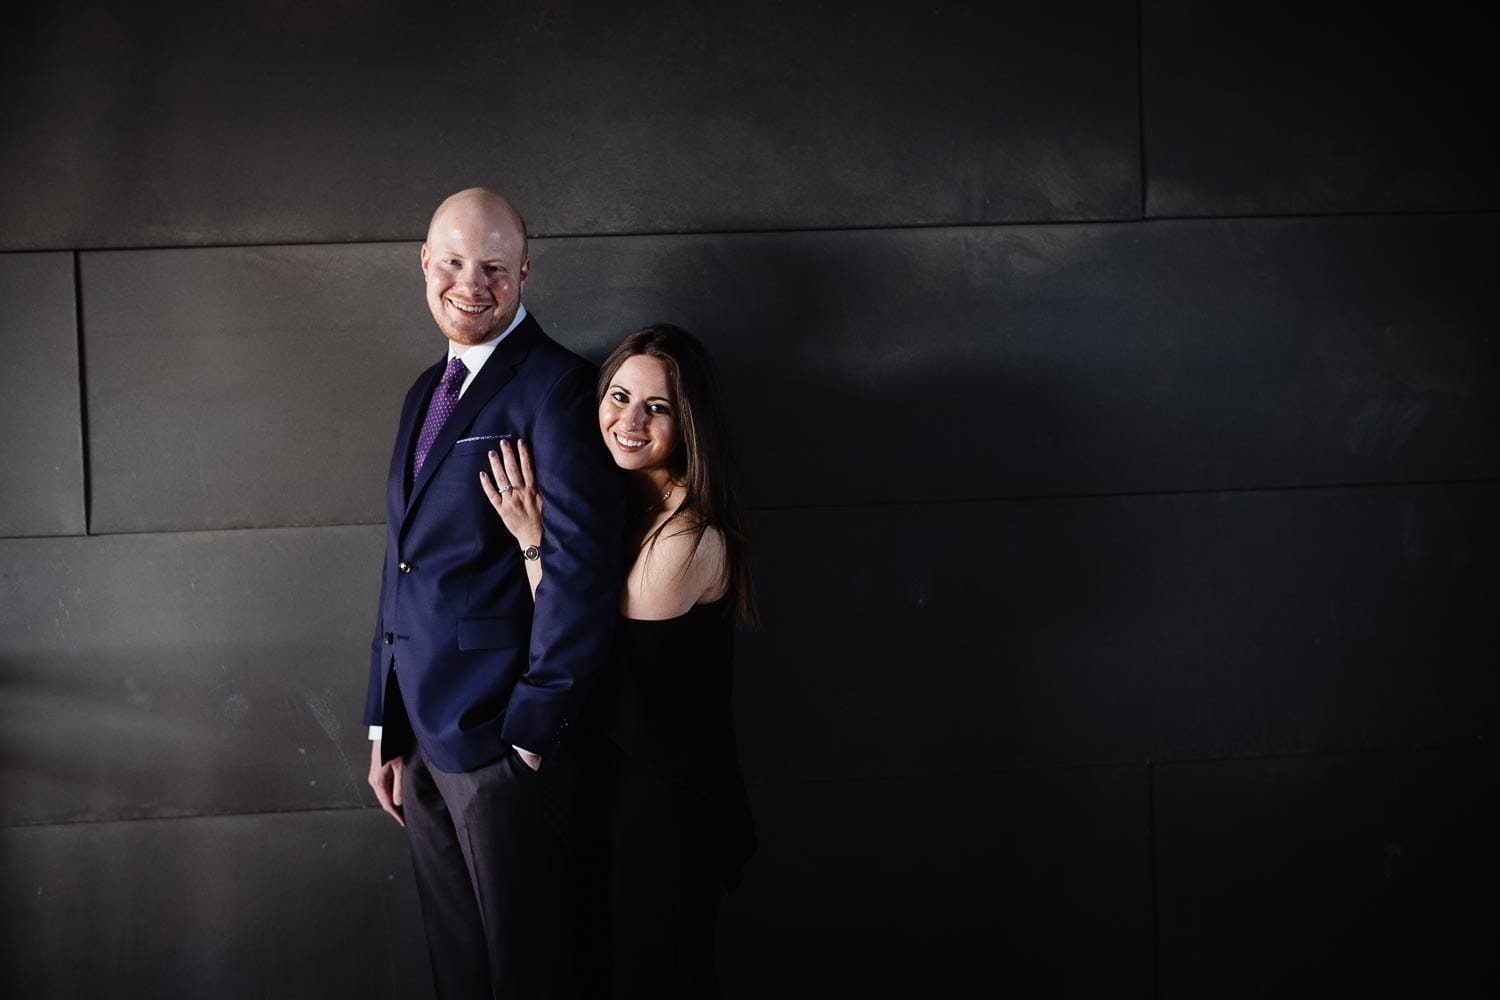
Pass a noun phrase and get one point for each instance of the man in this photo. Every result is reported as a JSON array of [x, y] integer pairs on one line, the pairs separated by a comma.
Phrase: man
[[472, 684]]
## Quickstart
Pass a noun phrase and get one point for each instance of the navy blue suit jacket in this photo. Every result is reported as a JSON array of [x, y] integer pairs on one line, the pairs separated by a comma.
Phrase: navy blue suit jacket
[[479, 669]]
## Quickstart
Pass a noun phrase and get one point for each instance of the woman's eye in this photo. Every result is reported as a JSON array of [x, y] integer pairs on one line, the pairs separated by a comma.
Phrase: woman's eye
[[659, 409], [619, 397]]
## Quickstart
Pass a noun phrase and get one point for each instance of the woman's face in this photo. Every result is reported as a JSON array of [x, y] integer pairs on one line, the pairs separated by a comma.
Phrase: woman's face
[[638, 416]]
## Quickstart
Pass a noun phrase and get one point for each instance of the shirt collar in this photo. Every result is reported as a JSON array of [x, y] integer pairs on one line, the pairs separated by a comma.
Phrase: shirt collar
[[476, 355]]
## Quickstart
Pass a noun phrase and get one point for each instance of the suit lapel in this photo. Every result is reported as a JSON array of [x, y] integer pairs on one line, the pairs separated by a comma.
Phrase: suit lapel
[[497, 371]]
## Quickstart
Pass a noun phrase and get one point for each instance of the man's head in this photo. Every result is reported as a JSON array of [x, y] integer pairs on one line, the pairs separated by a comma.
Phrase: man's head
[[475, 262]]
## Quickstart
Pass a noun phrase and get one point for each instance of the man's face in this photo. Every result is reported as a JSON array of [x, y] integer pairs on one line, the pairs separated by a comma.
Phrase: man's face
[[475, 267]]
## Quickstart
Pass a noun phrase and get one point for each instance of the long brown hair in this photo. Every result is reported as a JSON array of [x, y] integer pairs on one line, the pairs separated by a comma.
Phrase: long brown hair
[[704, 458]]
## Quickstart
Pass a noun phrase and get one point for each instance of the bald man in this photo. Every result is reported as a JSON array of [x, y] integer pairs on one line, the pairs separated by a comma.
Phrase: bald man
[[473, 685]]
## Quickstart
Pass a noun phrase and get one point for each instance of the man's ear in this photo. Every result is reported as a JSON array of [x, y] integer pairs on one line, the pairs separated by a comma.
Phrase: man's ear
[[525, 267], [424, 260]]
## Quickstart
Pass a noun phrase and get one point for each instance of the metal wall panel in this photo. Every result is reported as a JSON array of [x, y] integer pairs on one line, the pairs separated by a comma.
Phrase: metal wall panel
[[1370, 875], [315, 905], [1033, 884], [184, 124], [249, 387], [984, 363], [173, 675], [1288, 108], [41, 428], [898, 640], [860, 366]]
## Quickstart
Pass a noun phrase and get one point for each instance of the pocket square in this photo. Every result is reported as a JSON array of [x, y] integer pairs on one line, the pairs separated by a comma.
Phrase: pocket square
[[484, 437]]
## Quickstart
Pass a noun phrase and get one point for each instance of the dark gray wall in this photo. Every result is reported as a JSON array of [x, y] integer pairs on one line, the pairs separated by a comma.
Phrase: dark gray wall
[[1117, 384]]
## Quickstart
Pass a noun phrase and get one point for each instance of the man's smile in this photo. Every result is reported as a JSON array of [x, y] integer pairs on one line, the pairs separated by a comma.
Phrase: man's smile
[[464, 308]]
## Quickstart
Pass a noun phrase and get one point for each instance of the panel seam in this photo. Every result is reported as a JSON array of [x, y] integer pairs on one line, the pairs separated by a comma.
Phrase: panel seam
[[1140, 98], [85, 457], [1151, 861]]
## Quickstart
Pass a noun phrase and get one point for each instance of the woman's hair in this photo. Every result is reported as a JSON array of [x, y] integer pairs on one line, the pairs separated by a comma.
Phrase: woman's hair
[[703, 459]]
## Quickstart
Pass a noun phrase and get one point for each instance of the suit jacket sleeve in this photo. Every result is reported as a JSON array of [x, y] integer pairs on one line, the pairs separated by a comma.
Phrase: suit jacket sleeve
[[374, 694], [577, 602]]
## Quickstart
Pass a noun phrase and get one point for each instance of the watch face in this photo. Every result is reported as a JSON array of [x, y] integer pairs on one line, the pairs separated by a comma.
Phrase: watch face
[[530, 552]]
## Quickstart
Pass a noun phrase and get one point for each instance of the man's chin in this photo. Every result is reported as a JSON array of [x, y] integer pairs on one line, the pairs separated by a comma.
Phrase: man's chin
[[468, 337]]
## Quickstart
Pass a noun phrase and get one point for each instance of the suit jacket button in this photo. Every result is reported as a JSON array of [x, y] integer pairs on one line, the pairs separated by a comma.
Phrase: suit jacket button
[[404, 566], [389, 638]]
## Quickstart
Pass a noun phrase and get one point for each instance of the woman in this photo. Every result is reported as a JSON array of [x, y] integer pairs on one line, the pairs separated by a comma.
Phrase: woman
[[664, 775]]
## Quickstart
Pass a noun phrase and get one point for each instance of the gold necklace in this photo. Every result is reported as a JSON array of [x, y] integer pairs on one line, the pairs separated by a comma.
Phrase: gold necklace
[[654, 508]]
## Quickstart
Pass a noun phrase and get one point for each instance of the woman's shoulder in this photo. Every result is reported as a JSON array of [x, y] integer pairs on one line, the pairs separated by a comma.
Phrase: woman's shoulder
[[697, 538], [682, 566], [689, 546]]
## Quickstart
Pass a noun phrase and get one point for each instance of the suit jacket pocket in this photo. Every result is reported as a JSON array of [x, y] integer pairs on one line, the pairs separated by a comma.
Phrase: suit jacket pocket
[[490, 633]]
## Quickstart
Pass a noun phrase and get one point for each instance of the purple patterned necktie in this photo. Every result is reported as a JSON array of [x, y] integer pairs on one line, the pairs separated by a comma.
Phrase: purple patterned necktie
[[444, 399]]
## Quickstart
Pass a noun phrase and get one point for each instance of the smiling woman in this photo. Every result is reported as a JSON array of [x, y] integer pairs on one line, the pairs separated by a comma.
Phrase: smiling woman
[[661, 793], [636, 417]]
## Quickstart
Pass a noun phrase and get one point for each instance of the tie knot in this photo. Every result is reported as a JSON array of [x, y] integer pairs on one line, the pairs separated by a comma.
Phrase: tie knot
[[454, 375], [439, 409]]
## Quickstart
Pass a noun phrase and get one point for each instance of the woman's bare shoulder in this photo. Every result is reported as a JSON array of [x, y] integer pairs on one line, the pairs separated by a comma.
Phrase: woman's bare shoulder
[[681, 567]]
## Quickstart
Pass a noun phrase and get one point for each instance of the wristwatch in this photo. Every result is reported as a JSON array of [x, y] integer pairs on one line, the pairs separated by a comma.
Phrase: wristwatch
[[532, 552]]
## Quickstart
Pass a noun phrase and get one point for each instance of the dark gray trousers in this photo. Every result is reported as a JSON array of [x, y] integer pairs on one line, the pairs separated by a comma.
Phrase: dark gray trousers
[[490, 848]]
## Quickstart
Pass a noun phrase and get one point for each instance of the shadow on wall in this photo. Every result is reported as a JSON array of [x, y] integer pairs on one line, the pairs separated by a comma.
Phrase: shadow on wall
[[908, 603], [859, 371]]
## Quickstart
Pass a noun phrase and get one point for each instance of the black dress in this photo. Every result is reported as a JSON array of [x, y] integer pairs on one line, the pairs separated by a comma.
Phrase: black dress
[[678, 826]]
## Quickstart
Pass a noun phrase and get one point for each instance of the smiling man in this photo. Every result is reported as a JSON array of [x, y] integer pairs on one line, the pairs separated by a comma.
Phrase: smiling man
[[473, 684]]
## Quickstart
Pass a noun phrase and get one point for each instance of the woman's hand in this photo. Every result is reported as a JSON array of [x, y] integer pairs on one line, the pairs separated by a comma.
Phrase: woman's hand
[[512, 492]]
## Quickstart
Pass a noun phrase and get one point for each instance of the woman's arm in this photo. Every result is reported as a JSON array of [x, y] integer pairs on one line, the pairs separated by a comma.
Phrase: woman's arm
[[517, 501]]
